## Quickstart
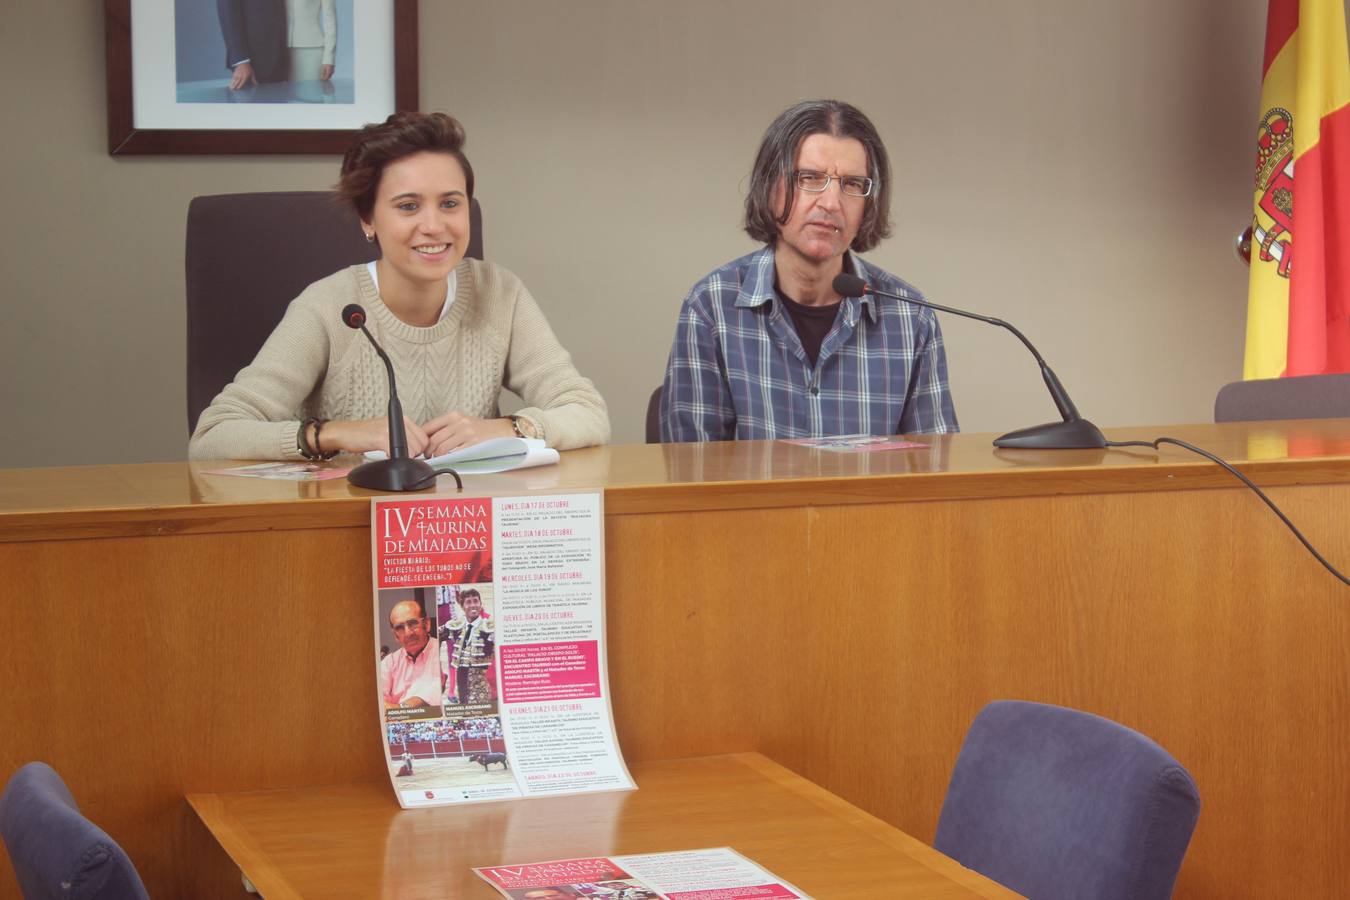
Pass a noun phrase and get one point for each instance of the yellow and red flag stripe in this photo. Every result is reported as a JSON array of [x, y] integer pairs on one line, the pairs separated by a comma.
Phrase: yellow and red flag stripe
[[1298, 305]]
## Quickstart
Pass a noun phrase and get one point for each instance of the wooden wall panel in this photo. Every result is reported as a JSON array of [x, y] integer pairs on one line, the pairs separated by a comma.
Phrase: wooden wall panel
[[187, 663], [701, 614]]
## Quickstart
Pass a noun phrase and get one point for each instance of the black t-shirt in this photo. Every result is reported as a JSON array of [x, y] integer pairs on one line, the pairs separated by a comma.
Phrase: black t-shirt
[[812, 323]]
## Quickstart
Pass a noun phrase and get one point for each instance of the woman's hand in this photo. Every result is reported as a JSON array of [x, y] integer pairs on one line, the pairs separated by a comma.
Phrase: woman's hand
[[455, 430], [326, 72], [347, 436]]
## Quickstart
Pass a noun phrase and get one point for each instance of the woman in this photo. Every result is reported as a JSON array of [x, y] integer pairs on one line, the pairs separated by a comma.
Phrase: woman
[[457, 329], [311, 37]]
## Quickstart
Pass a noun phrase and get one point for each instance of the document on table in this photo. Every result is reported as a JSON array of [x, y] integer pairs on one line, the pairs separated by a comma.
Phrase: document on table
[[495, 455], [714, 874]]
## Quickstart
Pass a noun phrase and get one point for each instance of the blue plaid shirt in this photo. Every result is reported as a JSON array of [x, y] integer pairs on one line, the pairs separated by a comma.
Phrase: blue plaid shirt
[[738, 370]]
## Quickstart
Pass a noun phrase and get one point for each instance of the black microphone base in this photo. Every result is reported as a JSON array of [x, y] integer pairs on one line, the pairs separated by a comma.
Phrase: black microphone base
[[400, 474], [1075, 435]]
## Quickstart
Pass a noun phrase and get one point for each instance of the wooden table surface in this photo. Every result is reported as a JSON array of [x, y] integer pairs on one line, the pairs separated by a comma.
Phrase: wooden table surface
[[178, 498], [353, 841]]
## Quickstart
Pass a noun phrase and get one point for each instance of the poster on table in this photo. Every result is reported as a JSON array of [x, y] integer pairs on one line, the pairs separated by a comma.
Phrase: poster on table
[[490, 648], [714, 874]]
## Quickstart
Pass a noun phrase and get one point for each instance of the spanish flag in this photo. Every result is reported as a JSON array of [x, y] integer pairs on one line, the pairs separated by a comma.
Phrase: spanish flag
[[1298, 301]]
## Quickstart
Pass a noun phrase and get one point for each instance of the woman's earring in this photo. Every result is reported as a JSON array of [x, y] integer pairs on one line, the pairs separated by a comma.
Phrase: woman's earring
[[370, 237]]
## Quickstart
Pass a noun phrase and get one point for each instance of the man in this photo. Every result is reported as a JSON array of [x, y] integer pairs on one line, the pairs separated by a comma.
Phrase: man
[[255, 40], [764, 347], [470, 644], [410, 677]]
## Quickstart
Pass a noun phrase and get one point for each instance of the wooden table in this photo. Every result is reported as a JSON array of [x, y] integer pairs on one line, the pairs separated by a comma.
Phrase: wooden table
[[170, 632], [352, 841]]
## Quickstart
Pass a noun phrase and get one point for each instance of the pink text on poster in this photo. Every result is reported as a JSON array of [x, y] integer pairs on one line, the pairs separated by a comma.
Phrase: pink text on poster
[[759, 892], [421, 542], [561, 871], [556, 671]]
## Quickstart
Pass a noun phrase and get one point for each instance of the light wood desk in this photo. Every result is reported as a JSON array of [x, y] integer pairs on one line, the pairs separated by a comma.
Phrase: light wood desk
[[352, 841], [169, 632]]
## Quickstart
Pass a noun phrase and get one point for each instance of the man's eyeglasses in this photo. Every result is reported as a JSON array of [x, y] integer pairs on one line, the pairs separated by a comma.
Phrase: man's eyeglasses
[[414, 624], [815, 182]]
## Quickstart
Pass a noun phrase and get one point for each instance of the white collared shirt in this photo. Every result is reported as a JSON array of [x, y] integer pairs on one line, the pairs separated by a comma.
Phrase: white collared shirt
[[451, 286]]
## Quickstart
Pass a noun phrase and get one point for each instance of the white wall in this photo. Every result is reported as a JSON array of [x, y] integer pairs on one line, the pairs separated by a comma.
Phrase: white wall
[[1078, 168]]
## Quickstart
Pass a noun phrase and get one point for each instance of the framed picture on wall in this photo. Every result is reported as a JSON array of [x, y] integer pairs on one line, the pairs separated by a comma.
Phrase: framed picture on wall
[[255, 76]]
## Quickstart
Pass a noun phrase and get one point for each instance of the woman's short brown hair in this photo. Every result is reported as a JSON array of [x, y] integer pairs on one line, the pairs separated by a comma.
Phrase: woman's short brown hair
[[401, 135], [778, 156]]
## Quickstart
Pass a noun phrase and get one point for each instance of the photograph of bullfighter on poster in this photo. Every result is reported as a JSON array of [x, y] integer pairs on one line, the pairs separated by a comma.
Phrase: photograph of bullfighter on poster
[[467, 638]]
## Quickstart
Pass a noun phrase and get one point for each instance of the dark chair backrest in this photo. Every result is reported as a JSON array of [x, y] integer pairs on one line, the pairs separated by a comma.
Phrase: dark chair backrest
[[248, 256], [57, 852], [1057, 803], [1300, 397], [654, 417]]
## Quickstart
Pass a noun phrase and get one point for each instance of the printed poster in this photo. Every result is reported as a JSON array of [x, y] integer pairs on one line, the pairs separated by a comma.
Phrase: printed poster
[[855, 443], [490, 644], [714, 874]]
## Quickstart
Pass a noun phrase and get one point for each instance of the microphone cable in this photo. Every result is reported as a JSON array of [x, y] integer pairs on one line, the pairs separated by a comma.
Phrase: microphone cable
[[1245, 480], [430, 479]]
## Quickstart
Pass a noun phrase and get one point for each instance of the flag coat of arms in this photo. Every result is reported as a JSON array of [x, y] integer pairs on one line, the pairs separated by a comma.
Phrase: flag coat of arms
[[1298, 305]]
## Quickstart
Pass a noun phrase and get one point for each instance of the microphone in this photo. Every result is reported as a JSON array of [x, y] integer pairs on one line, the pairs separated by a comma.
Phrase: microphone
[[355, 317], [398, 472], [1073, 432]]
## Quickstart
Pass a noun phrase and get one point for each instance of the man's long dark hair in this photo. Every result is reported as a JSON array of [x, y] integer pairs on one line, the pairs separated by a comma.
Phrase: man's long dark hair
[[778, 155]]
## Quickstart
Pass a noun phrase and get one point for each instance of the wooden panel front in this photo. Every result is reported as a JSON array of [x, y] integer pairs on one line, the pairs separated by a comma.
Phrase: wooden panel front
[[144, 668], [866, 639], [836, 624]]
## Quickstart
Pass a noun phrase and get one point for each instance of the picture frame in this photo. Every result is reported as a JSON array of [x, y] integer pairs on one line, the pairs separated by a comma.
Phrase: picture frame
[[187, 128]]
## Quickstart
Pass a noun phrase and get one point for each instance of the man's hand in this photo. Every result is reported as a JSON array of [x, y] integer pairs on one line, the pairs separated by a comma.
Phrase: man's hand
[[243, 76], [455, 430], [326, 72]]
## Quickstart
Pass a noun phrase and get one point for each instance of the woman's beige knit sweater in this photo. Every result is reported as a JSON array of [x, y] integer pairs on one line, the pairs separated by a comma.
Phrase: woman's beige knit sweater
[[493, 335]]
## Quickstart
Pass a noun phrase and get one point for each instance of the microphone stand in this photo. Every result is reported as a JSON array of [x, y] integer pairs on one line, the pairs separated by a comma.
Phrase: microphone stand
[[399, 472], [1071, 433]]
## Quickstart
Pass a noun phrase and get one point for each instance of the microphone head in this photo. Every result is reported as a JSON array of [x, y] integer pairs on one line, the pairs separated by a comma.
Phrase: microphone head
[[353, 315], [846, 285]]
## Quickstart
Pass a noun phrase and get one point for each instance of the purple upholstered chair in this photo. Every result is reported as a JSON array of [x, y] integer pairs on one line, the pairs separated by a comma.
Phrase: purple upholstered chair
[[654, 417], [1056, 803], [56, 852]]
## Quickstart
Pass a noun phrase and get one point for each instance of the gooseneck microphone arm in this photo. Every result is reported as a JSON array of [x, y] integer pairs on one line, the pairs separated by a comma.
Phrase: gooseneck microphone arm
[[399, 472], [1072, 432], [355, 317]]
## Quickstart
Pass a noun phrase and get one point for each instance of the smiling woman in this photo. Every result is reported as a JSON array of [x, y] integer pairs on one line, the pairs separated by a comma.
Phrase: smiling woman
[[456, 329]]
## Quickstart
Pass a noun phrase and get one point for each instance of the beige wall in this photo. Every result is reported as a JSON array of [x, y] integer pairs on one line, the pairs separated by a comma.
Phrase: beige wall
[[1078, 168]]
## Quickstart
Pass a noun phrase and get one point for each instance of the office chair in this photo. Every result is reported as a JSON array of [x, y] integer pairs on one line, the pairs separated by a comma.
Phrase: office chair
[[1056, 803], [248, 256], [654, 417], [56, 852], [1300, 397]]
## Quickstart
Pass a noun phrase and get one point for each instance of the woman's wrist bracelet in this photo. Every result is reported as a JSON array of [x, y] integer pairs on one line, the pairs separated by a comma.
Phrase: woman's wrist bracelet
[[313, 451]]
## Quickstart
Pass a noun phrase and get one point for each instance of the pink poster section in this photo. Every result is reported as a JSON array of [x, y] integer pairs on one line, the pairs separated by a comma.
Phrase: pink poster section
[[490, 645], [713, 874]]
